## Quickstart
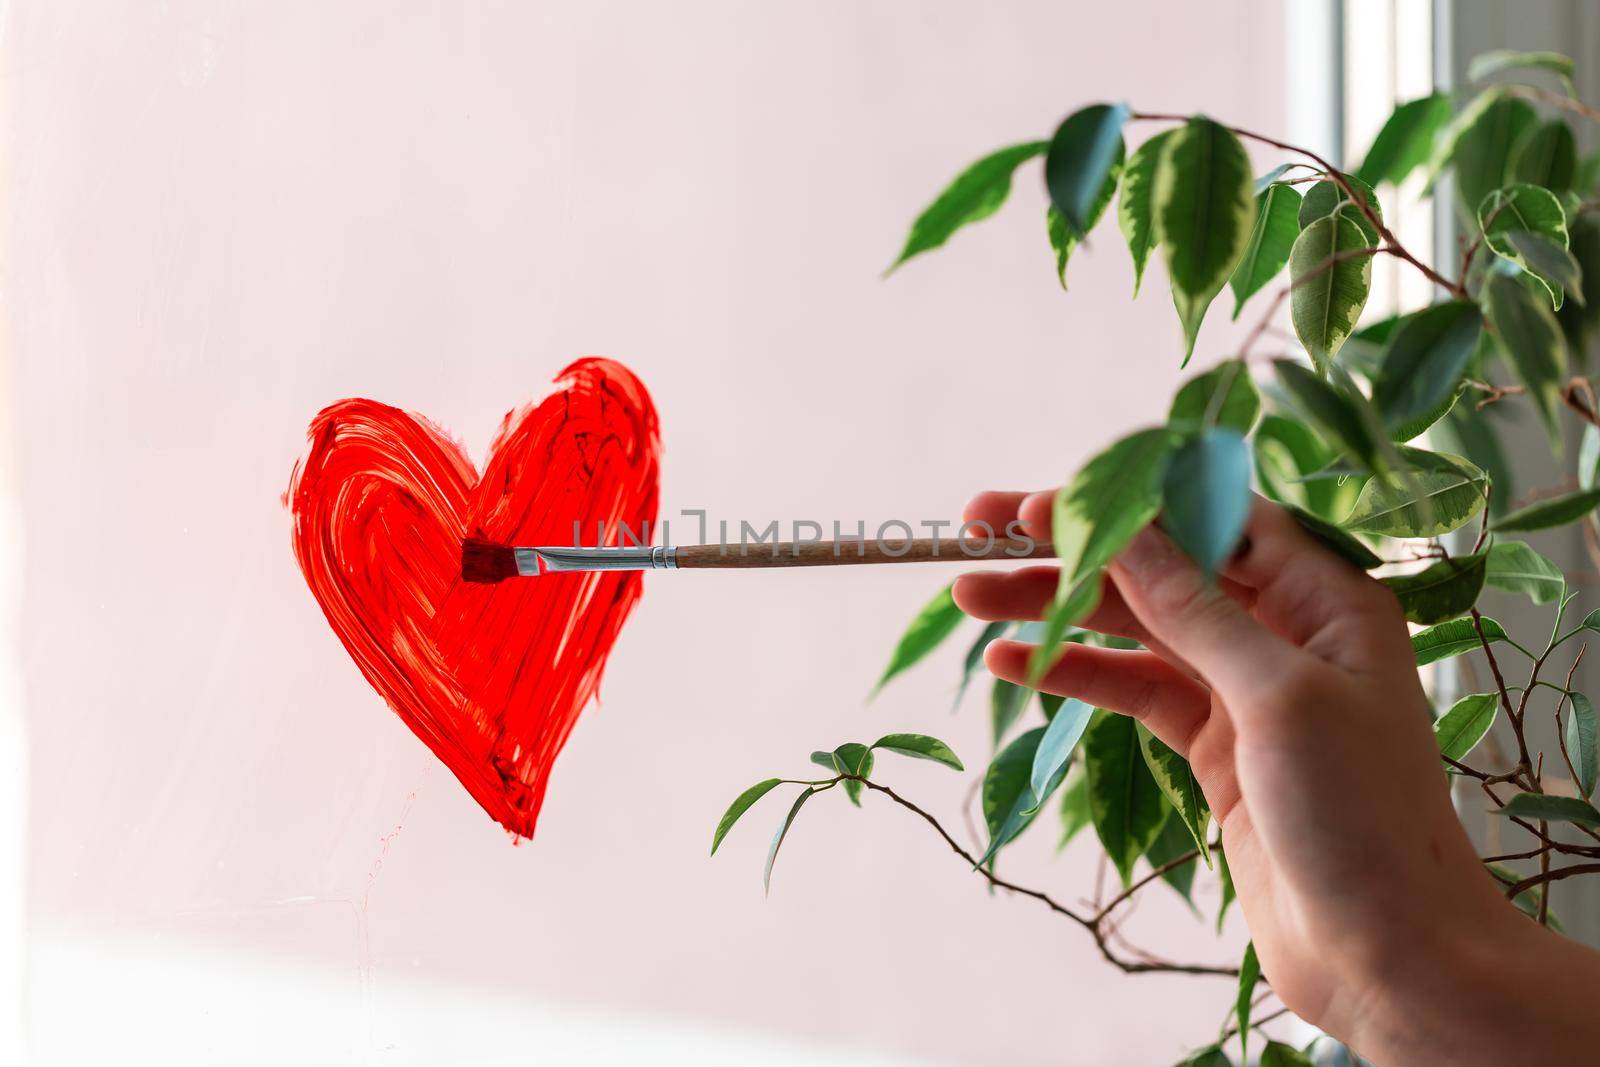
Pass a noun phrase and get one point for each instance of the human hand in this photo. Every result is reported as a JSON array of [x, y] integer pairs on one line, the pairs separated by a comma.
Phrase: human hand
[[1290, 686]]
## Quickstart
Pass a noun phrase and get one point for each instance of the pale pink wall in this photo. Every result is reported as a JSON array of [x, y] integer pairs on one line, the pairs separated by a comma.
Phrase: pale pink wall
[[227, 215]]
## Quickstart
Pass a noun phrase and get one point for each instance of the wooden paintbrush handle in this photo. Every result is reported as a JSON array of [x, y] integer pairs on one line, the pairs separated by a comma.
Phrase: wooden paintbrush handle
[[845, 553]]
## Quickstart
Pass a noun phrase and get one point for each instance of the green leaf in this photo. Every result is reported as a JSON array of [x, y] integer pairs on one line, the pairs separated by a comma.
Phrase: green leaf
[[1443, 493], [976, 193], [935, 622], [1580, 735], [1055, 749], [1062, 242], [1482, 155], [1225, 395], [1008, 797], [1521, 207], [1114, 496], [1062, 239], [1085, 154], [1466, 433], [1006, 703], [1580, 319], [1346, 419], [1211, 1056], [1459, 730], [919, 746], [1331, 278], [1327, 196], [1276, 226], [1527, 332], [1229, 894], [1414, 427], [1405, 139], [1547, 156], [740, 805], [1589, 457], [1206, 496], [1287, 453], [1425, 360], [1516, 568], [1555, 511], [1172, 842], [1448, 588], [1135, 212], [1126, 803], [1277, 1054], [1249, 975], [1522, 210], [853, 758], [1449, 138], [1050, 703], [1336, 540], [1074, 806], [1555, 268], [1203, 208], [974, 658], [1182, 789], [1540, 807], [1500, 60], [783, 831], [1452, 639]]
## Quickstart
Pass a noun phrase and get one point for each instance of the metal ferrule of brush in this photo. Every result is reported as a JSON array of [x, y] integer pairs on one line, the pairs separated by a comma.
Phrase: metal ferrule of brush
[[559, 560]]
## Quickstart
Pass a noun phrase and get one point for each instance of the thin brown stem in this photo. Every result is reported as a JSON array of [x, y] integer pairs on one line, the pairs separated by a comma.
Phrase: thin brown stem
[[1093, 924], [1546, 876], [1386, 236], [1500, 686], [1506, 857], [1561, 100], [1171, 865]]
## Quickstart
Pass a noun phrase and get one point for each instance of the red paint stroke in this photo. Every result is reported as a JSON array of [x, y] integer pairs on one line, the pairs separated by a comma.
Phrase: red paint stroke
[[490, 677]]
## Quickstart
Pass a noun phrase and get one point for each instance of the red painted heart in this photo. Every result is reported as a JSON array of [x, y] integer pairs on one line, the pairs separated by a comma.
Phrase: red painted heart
[[490, 677]]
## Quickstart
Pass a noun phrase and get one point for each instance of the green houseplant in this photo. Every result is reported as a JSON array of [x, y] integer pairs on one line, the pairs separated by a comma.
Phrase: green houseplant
[[1381, 437]]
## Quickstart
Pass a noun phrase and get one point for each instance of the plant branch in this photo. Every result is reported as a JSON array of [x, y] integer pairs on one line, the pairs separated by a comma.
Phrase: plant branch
[[1171, 865], [1561, 100], [1544, 877], [1094, 924], [1500, 685], [1390, 242]]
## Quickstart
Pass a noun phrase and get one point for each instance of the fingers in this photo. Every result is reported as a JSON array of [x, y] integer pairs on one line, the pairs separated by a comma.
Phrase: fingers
[[1199, 622], [1315, 599], [1022, 594], [998, 509], [1035, 512], [1027, 593], [1141, 684]]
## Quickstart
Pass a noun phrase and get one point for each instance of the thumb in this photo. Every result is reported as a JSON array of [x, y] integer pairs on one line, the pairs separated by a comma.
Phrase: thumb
[[1170, 595]]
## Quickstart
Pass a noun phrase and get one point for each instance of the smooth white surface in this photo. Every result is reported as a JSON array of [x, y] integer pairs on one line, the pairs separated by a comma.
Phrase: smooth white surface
[[160, 1002]]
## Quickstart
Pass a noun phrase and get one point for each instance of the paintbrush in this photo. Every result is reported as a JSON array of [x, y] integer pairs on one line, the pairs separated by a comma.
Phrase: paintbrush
[[489, 562]]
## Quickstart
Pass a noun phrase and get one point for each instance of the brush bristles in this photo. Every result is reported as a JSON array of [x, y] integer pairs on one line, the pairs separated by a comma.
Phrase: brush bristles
[[486, 562]]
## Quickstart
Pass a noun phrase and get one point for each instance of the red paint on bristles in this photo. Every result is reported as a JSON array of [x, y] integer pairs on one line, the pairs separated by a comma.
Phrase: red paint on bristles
[[487, 562]]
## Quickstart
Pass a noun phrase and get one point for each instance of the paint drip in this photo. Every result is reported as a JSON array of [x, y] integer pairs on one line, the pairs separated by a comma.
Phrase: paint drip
[[492, 678]]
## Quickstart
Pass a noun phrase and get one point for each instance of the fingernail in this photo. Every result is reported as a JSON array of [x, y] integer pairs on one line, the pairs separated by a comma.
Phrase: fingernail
[[1147, 553]]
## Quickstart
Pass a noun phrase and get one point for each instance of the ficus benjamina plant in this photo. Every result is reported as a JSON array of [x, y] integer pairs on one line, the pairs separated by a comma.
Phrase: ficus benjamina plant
[[1380, 437]]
